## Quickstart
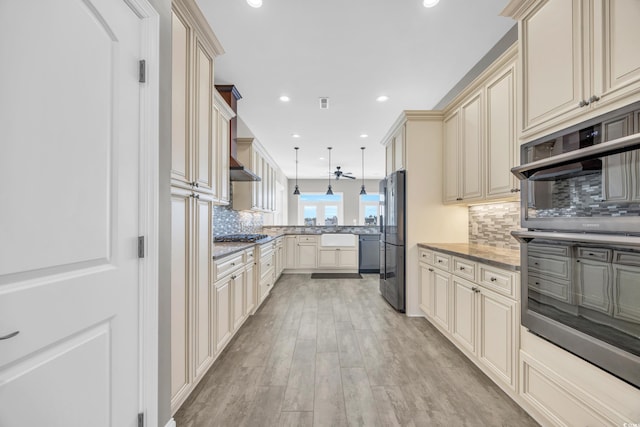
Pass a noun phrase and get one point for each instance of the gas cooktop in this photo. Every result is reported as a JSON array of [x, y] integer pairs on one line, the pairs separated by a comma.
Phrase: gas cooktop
[[248, 238]]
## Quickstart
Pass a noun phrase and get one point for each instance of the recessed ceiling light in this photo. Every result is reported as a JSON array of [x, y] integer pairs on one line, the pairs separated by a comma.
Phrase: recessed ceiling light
[[364, 135], [430, 3], [255, 3], [285, 98], [321, 158], [295, 135], [382, 98]]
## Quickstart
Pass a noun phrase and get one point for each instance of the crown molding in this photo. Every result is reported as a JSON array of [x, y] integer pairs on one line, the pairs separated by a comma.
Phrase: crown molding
[[411, 116], [222, 106], [190, 10], [516, 8]]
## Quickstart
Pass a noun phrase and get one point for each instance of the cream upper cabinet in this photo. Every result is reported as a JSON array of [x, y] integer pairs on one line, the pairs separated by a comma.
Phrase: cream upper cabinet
[[180, 100], [451, 140], [472, 148], [579, 60], [480, 145], [256, 195], [223, 114], [205, 155], [501, 149], [395, 151]]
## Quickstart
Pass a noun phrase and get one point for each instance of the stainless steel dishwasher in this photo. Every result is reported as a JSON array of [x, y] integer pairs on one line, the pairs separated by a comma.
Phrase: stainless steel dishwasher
[[369, 261]]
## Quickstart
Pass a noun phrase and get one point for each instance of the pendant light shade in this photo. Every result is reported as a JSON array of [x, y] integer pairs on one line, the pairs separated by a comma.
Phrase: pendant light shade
[[363, 192], [296, 192], [329, 190]]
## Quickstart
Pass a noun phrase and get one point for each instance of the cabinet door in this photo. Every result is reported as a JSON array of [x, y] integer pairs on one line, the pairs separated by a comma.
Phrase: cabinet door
[[180, 150], [472, 148], [463, 324], [426, 289], [205, 153], [450, 150], [203, 312], [398, 150], [223, 305], [307, 256], [498, 322], [250, 289], [389, 161], [180, 294], [616, 169], [327, 258], [256, 186], [552, 57], [595, 285], [348, 258], [442, 298], [626, 293], [620, 74], [223, 158], [635, 177], [290, 249], [501, 136], [238, 294]]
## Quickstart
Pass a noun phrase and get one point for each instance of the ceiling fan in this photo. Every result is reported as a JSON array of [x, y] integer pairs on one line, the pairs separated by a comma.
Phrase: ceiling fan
[[339, 174]]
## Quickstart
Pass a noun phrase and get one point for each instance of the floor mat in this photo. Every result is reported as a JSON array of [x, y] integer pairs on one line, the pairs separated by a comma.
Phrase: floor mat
[[336, 276]]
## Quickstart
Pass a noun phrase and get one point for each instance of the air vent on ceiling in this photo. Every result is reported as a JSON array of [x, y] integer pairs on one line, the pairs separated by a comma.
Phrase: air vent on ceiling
[[324, 103]]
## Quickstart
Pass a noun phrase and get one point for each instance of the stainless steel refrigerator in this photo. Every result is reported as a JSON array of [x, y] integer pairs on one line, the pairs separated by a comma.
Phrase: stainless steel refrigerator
[[392, 239]]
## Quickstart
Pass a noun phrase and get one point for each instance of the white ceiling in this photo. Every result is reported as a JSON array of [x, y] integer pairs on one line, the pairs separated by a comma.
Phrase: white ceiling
[[351, 51]]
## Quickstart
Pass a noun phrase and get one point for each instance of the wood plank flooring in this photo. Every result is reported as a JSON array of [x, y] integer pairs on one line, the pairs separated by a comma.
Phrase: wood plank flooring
[[334, 353]]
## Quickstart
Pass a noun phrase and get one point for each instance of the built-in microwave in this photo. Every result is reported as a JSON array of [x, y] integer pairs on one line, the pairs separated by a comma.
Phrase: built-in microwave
[[586, 178]]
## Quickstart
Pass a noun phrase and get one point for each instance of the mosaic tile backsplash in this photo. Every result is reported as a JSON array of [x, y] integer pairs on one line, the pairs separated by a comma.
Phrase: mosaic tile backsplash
[[491, 225], [228, 221], [299, 229]]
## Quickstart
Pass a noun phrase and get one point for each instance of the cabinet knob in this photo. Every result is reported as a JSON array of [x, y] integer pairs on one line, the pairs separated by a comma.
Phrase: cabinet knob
[[233, 263], [459, 198], [462, 268], [583, 103], [195, 184], [493, 279], [195, 196], [594, 98], [440, 261], [515, 190], [431, 269], [477, 291], [233, 277], [424, 255], [474, 289]]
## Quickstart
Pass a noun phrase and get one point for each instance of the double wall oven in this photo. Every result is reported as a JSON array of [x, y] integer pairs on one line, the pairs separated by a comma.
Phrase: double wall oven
[[580, 252]]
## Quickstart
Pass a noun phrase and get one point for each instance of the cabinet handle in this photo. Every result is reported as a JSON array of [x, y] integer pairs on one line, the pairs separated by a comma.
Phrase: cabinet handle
[[11, 335], [337, 249], [493, 279], [233, 277], [535, 263], [515, 190], [459, 198], [232, 264], [431, 269], [462, 268], [537, 283], [583, 103], [594, 98], [590, 254]]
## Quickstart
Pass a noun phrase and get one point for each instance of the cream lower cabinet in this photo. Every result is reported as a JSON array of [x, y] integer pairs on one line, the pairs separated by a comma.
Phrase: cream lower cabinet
[[266, 271], [251, 298], [290, 250], [337, 258], [223, 308], [476, 306], [191, 347], [307, 252]]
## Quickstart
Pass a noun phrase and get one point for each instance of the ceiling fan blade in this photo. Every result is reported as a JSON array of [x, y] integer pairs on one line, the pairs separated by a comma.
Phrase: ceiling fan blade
[[349, 176]]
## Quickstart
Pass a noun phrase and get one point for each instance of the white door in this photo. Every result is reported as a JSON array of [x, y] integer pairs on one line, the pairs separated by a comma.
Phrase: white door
[[69, 139]]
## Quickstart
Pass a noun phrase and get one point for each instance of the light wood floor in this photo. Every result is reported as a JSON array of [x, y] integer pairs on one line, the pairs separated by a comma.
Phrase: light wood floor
[[333, 353]]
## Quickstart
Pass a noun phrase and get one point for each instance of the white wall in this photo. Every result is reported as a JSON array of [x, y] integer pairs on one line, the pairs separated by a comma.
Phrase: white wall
[[349, 187]]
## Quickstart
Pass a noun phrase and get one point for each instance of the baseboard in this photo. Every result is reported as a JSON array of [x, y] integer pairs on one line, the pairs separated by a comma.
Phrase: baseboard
[[171, 423]]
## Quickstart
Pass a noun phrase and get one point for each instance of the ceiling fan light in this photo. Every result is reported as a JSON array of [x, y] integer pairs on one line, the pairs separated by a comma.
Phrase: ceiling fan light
[[255, 3]]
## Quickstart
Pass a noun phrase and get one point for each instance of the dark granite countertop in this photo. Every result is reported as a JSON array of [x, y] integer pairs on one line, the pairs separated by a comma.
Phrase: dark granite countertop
[[509, 259], [222, 249]]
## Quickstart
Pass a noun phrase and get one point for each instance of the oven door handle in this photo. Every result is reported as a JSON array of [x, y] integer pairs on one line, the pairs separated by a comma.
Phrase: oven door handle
[[525, 236], [625, 143]]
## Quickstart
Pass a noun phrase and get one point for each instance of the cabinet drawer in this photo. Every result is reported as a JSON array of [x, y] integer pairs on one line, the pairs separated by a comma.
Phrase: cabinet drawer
[[554, 267], [307, 239], [596, 254], [441, 261], [249, 256], [540, 249], [227, 265], [425, 255], [626, 258], [464, 268], [557, 289], [266, 266], [498, 280]]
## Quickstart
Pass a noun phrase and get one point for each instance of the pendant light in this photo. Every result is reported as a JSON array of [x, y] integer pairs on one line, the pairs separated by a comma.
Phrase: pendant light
[[296, 192], [329, 190], [363, 192]]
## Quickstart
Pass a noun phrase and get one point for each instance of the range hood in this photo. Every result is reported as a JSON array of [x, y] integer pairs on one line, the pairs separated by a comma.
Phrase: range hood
[[237, 171]]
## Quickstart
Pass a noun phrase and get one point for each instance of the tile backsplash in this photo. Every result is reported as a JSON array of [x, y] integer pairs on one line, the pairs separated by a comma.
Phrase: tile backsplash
[[492, 224], [228, 221]]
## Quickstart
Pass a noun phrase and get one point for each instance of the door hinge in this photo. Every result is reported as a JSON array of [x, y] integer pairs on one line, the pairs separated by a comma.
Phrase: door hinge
[[140, 246], [141, 419], [142, 71]]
